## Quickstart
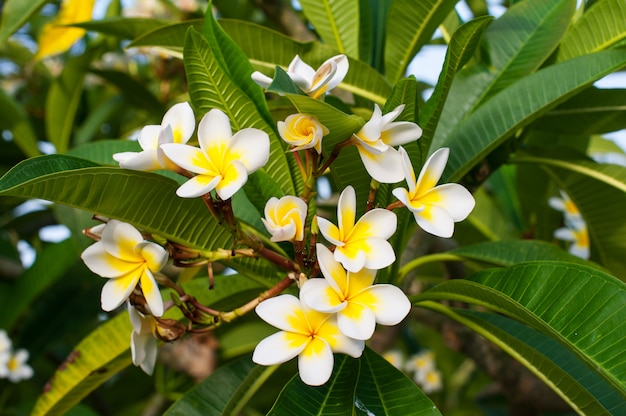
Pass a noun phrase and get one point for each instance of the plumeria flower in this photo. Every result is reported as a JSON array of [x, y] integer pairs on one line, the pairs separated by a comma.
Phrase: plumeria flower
[[125, 258], [358, 303], [15, 367], [420, 363], [430, 381], [302, 131], [312, 82], [568, 208], [375, 143], [395, 358], [311, 335], [578, 235], [143, 344], [285, 218], [223, 161], [435, 208], [177, 126], [364, 243]]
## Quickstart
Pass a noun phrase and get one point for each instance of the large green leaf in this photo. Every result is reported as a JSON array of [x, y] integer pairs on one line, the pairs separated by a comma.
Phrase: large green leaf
[[585, 391], [149, 203], [15, 13], [225, 392], [369, 385], [600, 27], [170, 36], [410, 24], [581, 307], [520, 104], [335, 22], [210, 88], [516, 44]]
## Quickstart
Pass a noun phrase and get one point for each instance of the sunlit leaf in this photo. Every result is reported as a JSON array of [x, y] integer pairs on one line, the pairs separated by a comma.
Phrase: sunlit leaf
[[15, 13], [335, 22]]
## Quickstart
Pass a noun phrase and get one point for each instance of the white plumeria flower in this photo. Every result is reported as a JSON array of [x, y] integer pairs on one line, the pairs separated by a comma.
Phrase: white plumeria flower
[[578, 235], [223, 161], [430, 381], [285, 218], [568, 208], [302, 131], [143, 344], [177, 126], [420, 363], [395, 358], [435, 208], [375, 143], [15, 368], [125, 258], [5, 342], [364, 243], [312, 82], [311, 335], [358, 303]]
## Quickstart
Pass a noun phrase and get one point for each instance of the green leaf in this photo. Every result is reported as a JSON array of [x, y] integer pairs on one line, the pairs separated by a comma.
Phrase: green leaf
[[283, 84], [369, 385], [335, 22], [171, 36], [123, 27], [517, 44], [592, 111], [460, 49], [149, 198], [559, 368], [62, 102], [520, 104], [225, 392], [15, 13], [50, 265], [210, 88], [99, 356], [410, 25], [600, 27], [14, 118], [582, 308], [101, 152]]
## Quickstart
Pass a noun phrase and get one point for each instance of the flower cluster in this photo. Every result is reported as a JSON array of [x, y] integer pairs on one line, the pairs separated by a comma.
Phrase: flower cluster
[[13, 363], [575, 229], [420, 366]]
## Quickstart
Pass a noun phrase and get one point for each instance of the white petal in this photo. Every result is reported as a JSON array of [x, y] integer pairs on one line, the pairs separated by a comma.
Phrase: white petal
[[435, 220], [455, 199], [357, 322], [115, 292], [181, 120], [315, 365], [120, 239], [370, 131], [319, 295], [409, 173], [303, 71], [261, 79], [155, 256], [353, 261], [149, 137], [328, 230], [346, 345], [284, 312], [565, 234], [403, 196], [149, 360], [391, 306], [385, 167], [187, 157], [99, 261], [391, 116], [401, 132], [286, 232], [377, 222], [276, 349], [579, 251], [343, 65], [198, 186], [253, 148], [380, 255], [432, 170], [145, 161], [151, 292], [346, 210], [235, 176], [136, 318], [331, 269], [214, 129]]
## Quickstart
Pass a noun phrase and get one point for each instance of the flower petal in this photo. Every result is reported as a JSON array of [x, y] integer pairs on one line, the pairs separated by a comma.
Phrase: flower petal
[[351, 257], [319, 295], [198, 186], [151, 292], [251, 147], [187, 157], [343, 65], [370, 132], [377, 222], [116, 291], [284, 312], [315, 363], [357, 321], [384, 167], [301, 73], [409, 173], [120, 239], [279, 348], [261, 79], [149, 137], [329, 231], [453, 197], [378, 254], [99, 261], [401, 132], [331, 269], [435, 220], [388, 303], [234, 177], [214, 130], [181, 120], [346, 211], [432, 170], [153, 254]]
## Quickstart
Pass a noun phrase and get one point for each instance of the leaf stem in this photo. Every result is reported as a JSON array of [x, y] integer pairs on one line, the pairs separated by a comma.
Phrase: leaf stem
[[420, 261]]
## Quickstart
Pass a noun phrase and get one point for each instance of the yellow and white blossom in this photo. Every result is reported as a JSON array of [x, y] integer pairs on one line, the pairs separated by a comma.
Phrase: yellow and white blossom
[[143, 344], [310, 335], [420, 363], [13, 366], [395, 358], [223, 161], [312, 82], [177, 126], [577, 234], [358, 303], [568, 208], [126, 259], [435, 208], [375, 143], [364, 243], [285, 218], [302, 131], [430, 381]]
